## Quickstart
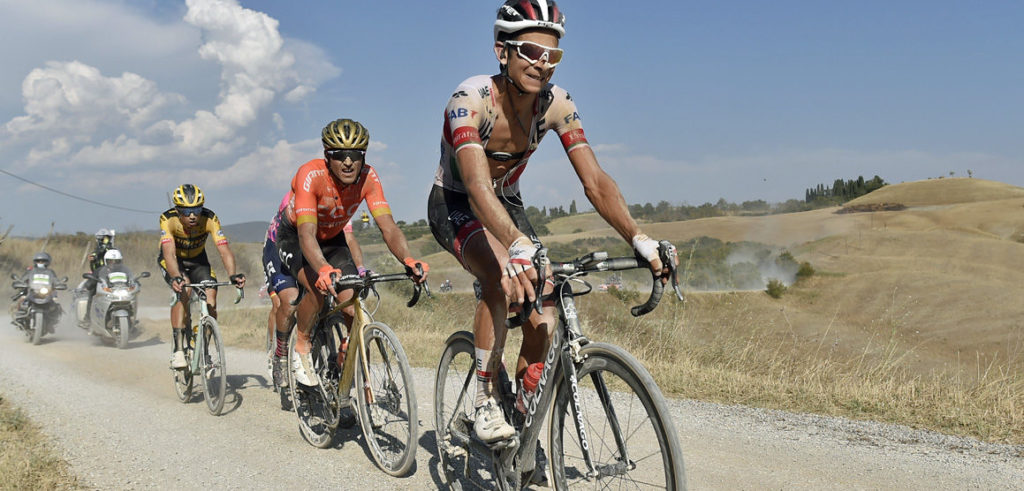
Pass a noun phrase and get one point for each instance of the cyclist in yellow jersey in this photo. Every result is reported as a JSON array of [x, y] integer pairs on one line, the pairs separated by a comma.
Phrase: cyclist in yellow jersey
[[183, 233]]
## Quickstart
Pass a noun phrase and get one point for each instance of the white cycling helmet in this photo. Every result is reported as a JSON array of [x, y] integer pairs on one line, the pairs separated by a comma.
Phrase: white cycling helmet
[[112, 256], [516, 15]]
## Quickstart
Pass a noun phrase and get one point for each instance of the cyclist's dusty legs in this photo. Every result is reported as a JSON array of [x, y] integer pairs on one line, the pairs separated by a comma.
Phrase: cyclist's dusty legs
[[305, 315], [536, 334], [211, 301], [179, 321], [482, 255]]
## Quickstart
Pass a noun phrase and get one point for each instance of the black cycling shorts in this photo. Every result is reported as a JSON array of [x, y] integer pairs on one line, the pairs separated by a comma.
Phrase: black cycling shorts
[[194, 270], [453, 223], [335, 250]]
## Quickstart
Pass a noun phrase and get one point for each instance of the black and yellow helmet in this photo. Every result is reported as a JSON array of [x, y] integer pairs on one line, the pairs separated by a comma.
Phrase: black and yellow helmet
[[187, 196], [345, 134]]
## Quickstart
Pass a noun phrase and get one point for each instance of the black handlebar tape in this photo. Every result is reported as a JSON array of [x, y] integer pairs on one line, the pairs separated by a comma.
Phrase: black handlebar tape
[[651, 302]]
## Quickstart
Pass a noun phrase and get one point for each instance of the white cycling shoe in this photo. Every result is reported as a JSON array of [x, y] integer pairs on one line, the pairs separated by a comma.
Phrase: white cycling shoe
[[302, 369], [489, 423], [178, 360]]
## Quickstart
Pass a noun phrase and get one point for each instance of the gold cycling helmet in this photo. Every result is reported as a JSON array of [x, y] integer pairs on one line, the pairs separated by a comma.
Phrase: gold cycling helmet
[[345, 134], [187, 196]]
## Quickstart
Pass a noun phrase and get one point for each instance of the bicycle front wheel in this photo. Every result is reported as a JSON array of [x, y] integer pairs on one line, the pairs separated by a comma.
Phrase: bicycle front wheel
[[629, 434], [214, 368], [389, 420]]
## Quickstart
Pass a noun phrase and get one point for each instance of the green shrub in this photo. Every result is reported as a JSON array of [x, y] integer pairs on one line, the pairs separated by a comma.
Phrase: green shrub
[[626, 295], [805, 271], [775, 288]]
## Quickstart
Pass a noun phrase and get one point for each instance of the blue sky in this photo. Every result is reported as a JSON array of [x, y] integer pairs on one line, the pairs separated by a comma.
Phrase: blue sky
[[689, 102]]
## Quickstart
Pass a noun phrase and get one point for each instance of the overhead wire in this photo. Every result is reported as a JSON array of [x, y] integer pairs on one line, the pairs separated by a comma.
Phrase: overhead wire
[[87, 200]]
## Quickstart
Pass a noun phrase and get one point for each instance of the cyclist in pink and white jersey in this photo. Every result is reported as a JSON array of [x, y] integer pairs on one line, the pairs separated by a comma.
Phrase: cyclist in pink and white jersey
[[492, 125]]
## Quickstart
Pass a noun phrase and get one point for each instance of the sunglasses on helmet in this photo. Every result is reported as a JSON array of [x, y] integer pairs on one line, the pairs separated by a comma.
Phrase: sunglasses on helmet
[[340, 154], [533, 52], [184, 211]]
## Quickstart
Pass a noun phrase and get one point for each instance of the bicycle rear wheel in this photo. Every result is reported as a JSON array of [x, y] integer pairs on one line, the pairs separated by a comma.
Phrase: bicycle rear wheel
[[629, 431], [214, 367], [454, 394], [318, 418], [389, 422]]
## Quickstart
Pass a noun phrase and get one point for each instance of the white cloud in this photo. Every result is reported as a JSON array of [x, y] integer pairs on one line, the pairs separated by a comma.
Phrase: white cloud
[[72, 98], [109, 121]]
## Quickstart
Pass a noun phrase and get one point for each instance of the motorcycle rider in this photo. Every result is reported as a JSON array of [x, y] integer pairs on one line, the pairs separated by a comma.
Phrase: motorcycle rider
[[113, 262], [97, 258], [183, 233], [40, 265]]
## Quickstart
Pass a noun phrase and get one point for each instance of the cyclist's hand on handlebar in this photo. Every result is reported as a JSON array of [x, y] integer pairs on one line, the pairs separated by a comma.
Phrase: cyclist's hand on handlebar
[[325, 278], [647, 248], [418, 269], [176, 283], [519, 274], [238, 280]]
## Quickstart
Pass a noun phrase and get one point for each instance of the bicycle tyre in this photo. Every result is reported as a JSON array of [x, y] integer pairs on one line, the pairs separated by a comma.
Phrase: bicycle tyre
[[601, 362], [37, 327], [214, 367], [390, 423], [454, 380], [124, 330], [183, 377], [307, 404]]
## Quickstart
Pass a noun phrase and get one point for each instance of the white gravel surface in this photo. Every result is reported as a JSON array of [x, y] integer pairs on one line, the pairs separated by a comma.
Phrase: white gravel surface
[[119, 424]]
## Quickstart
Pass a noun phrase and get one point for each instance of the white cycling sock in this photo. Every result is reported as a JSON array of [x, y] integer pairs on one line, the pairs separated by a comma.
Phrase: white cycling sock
[[484, 376]]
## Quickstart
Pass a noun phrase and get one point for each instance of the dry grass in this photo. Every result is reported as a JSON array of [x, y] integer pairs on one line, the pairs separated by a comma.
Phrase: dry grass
[[27, 459], [912, 317]]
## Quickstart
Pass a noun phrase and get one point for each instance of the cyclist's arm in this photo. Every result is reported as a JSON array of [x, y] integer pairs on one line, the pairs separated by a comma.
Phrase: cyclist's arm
[[353, 246], [168, 250], [310, 247], [604, 194], [228, 257], [476, 176], [393, 236]]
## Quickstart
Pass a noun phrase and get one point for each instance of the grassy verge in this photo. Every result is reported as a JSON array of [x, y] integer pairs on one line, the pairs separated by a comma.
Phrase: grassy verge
[[723, 347], [27, 461]]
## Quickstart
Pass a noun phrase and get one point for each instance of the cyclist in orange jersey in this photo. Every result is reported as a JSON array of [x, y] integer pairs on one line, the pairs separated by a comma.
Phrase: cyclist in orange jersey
[[310, 242]]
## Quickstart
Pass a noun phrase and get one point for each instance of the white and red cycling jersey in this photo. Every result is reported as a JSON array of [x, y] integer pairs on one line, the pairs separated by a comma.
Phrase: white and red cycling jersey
[[469, 119]]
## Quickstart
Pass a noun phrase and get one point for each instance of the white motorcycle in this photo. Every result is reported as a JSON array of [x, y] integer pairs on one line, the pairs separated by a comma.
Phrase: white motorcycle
[[114, 310]]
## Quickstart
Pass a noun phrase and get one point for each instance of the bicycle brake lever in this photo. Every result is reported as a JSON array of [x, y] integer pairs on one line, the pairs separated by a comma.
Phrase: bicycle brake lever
[[668, 257], [541, 262]]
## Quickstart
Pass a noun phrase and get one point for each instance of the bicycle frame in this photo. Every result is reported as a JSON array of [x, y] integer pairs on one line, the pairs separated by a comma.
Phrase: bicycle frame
[[560, 363], [356, 342], [198, 333]]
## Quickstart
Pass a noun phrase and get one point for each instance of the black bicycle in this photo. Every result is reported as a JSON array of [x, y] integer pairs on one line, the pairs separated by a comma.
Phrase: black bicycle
[[610, 423]]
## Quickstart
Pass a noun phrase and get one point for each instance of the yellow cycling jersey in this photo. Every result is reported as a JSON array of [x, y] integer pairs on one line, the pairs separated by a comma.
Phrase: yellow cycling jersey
[[190, 242]]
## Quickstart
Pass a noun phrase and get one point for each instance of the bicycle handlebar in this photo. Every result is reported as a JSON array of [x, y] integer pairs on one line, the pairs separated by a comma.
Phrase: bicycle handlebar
[[600, 262], [348, 282], [213, 284]]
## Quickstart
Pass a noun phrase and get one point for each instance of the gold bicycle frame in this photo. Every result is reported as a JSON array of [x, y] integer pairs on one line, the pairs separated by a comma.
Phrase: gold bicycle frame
[[355, 342]]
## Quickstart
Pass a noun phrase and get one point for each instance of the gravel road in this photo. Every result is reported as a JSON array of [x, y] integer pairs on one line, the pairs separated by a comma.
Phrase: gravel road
[[116, 418]]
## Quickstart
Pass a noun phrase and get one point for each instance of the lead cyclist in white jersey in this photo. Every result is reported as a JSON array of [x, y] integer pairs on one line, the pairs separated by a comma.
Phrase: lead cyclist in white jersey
[[492, 124]]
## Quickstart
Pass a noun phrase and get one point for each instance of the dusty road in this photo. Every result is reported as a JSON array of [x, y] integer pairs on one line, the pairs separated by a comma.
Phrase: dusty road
[[118, 422]]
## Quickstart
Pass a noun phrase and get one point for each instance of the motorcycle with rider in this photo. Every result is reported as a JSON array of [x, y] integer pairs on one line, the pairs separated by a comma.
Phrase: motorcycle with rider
[[35, 310], [110, 310]]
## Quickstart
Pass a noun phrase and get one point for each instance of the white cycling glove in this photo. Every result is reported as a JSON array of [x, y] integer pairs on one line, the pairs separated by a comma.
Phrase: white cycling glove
[[520, 256], [646, 247]]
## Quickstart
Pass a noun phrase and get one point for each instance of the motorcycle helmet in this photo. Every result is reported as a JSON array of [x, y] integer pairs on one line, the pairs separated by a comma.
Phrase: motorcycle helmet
[[345, 134], [517, 15], [188, 196], [41, 260], [112, 256]]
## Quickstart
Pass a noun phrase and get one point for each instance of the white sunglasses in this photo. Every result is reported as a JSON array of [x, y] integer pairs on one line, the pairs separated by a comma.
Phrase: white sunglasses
[[533, 52]]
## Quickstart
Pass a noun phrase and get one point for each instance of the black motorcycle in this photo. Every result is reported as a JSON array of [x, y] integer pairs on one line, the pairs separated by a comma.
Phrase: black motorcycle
[[37, 311]]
